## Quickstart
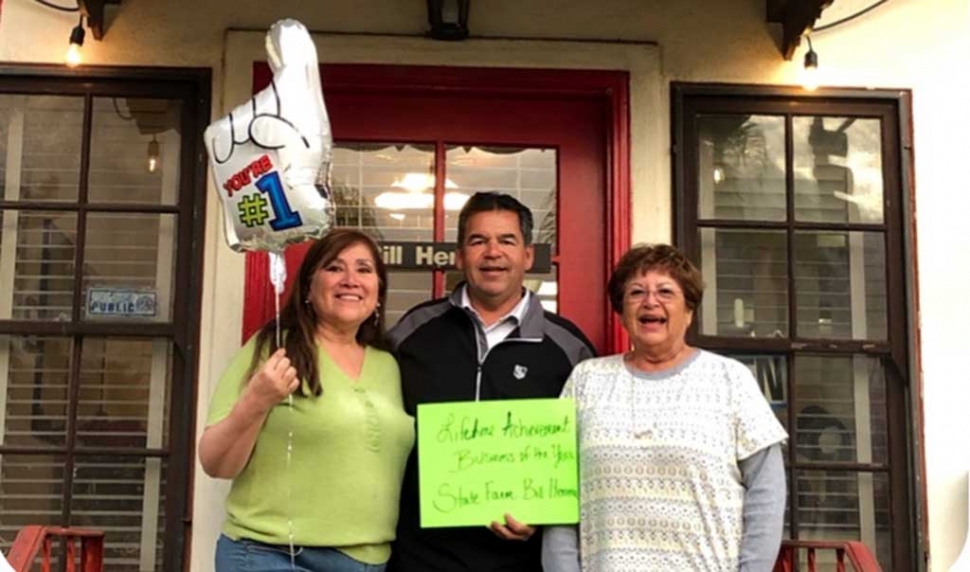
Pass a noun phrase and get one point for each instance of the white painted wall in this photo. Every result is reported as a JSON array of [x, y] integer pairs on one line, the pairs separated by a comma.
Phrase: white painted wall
[[917, 44]]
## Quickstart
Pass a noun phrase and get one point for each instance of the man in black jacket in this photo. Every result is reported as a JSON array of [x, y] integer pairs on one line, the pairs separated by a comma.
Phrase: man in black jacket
[[490, 339]]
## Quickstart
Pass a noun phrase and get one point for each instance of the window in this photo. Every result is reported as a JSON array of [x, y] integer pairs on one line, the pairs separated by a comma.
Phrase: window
[[100, 218], [790, 206]]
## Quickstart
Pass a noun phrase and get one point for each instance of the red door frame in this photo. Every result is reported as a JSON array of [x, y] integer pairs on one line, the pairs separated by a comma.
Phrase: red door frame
[[609, 88]]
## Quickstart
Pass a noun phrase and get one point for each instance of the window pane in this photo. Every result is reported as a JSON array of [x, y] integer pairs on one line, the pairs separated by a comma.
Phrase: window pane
[[37, 264], [40, 147], [386, 189], [135, 150], [124, 497], [35, 372], [838, 169], [747, 283], [843, 505], [771, 372], [31, 489], [129, 266], [124, 394], [407, 289], [528, 174], [840, 409], [840, 281], [787, 532], [741, 167]]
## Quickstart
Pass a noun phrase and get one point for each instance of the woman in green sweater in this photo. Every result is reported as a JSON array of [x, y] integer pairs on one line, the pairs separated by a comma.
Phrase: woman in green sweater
[[332, 506]]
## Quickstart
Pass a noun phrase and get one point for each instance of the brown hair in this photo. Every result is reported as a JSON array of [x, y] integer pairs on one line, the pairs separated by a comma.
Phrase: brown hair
[[489, 201], [298, 321], [658, 257]]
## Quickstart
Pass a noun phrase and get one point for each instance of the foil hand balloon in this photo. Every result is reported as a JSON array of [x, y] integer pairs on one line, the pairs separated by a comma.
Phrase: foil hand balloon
[[271, 156]]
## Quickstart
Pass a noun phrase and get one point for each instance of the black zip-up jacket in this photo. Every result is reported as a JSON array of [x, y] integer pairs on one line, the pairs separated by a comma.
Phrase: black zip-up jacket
[[444, 356]]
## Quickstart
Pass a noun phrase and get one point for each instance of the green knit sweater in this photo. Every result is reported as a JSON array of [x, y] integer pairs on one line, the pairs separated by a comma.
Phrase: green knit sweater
[[349, 449]]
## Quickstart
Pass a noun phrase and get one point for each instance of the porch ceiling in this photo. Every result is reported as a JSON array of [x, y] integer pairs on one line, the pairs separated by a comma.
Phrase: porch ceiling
[[93, 10], [796, 17]]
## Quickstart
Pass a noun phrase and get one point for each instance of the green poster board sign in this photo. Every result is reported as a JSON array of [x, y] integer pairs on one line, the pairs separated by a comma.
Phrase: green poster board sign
[[480, 460]]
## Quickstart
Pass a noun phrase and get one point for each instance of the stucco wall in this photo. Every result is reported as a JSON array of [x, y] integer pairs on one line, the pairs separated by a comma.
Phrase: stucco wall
[[916, 44]]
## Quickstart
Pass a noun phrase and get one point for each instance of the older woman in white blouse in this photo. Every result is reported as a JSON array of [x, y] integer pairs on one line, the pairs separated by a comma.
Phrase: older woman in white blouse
[[680, 460]]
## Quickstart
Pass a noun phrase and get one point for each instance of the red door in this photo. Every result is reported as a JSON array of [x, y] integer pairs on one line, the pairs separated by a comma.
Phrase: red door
[[528, 129]]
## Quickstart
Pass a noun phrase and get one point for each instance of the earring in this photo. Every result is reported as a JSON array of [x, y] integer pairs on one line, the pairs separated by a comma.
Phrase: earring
[[377, 315]]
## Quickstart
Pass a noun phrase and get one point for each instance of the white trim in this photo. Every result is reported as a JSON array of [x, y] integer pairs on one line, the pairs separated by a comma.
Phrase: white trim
[[158, 379]]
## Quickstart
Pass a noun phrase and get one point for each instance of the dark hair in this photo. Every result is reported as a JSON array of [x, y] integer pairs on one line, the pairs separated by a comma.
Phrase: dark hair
[[298, 321], [493, 201], [659, 257]]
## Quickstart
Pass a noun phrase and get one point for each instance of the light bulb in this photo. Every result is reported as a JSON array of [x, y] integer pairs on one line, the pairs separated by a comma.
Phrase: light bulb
[[73, 56], [152, 155], [718, 175], [810, 79], [810, 70]]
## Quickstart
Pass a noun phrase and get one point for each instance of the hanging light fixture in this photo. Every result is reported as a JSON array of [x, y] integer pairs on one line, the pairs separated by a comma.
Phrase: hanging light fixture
[[810, 68], [73, 56], [448, 19], [153, 155]]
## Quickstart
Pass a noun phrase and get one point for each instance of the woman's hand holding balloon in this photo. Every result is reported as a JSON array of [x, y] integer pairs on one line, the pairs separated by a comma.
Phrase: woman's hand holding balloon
[[272, 383], [226, 446]]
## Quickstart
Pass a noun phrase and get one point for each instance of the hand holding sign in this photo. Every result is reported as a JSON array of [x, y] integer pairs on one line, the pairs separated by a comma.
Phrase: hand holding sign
[[271, 156], [512, 529]]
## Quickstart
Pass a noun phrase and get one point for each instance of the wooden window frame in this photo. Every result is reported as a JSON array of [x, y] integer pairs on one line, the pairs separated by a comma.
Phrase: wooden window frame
[[191, 86], [905, 467]]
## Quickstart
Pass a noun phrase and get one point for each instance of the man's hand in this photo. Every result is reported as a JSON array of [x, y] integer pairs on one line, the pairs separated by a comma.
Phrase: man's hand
[[512, 529]]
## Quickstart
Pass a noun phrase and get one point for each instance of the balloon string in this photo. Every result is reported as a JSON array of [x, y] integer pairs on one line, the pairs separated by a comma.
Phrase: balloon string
[[289, 485], [277, 275]]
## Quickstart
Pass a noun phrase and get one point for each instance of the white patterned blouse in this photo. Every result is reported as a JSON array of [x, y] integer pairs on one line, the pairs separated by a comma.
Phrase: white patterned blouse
[[659, 453]]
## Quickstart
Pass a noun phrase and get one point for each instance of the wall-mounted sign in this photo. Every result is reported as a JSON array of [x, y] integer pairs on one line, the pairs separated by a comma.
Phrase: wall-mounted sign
[[441, 255], [121, 303]]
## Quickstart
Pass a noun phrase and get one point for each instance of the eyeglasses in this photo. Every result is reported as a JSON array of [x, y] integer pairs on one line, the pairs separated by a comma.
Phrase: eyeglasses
[[663, 295]]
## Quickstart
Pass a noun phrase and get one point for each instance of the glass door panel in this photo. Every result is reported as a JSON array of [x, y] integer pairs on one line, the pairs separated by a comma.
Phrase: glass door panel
[[387, 190], [528, 174]]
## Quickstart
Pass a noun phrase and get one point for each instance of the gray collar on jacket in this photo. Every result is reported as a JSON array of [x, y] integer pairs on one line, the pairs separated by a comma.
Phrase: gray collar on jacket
[[533, 319]]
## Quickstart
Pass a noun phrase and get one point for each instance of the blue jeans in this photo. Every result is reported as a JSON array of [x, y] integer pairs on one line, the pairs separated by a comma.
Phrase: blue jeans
[[250, 556]]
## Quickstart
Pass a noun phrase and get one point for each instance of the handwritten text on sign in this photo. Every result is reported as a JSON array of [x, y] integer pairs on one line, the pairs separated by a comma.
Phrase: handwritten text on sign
[[480, 460]]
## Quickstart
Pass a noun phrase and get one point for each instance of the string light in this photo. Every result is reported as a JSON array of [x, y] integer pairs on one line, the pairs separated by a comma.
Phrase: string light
[[153, 154], [73, 56], [810, 69]]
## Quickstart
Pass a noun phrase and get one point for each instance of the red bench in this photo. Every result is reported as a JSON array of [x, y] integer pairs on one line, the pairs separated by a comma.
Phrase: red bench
[[854, 553], [33, 540]]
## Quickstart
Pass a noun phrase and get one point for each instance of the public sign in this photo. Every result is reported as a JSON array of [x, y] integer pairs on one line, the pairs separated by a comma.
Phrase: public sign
[[480, 460], [121, 303]]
